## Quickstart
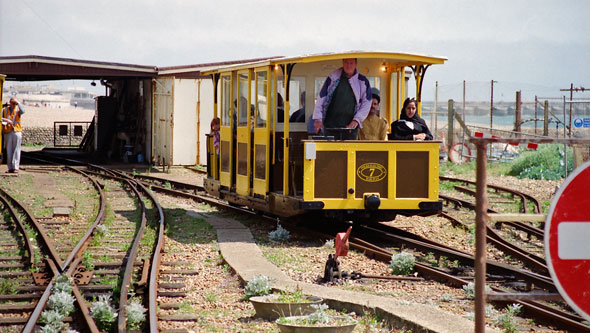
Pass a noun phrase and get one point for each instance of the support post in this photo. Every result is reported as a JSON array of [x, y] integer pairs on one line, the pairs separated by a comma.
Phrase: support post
[[571, 105], [546, 118], [492, 105], [481, 204], [435, 108], [450, 122], [518, 112]]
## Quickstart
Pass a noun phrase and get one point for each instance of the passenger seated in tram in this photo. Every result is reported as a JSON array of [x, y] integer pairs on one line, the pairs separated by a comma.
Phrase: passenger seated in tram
[[374, 127], [299, 115], [410, 126], [344, 101], [280, 109], [215, 125]]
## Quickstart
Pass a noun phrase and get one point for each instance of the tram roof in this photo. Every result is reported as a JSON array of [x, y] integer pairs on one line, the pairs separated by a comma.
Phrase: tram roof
[[405, 59]]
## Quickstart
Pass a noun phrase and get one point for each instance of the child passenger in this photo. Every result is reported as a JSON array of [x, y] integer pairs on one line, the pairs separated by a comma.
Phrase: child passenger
[[215, 124]]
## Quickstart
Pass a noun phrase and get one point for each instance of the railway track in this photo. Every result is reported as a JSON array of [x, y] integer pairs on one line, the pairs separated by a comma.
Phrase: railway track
[[533, 282], [503, 275], [109, 260]]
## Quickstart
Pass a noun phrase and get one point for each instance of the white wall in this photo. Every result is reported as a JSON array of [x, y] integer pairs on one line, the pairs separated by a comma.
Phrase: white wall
[[184, 133], [206, 117]]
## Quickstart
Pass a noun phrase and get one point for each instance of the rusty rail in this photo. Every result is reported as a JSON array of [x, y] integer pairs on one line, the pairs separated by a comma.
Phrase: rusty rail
[[498, 241], [43, 300], [21, 228], [83, 243], [131, 257], [550, 315], [45, 242], [536, 203]]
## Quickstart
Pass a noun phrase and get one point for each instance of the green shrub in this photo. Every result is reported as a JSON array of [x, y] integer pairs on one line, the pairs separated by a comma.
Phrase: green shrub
[[546, 163], [62, 302], [469, 290], [506, 320], [280, 235], [135, 315], [103, 313], [402, 263], [258, 286]]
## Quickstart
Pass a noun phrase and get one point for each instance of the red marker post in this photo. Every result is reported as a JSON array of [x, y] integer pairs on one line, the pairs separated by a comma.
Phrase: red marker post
[[567, 240]]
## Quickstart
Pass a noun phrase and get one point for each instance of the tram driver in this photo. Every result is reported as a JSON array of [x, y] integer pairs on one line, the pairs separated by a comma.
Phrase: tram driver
[[344, 100]]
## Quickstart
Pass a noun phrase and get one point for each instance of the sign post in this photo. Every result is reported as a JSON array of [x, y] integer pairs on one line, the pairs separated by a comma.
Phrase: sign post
[[567, 240]]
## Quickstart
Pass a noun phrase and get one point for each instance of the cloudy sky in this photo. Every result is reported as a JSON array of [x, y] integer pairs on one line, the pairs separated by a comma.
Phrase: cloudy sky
[[533, 46]]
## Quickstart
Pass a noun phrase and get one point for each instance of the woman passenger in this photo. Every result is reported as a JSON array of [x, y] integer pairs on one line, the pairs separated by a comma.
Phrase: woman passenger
[[410, 126]]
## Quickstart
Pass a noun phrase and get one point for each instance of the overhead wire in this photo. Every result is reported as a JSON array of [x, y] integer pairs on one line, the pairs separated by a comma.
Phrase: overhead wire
[[54, 30]]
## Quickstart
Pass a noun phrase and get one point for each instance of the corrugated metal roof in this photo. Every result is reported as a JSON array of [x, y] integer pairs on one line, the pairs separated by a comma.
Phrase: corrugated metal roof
[[187, 70], [32, 68]]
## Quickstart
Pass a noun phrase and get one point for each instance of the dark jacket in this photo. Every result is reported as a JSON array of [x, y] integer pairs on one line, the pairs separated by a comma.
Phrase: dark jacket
[[401, 129]]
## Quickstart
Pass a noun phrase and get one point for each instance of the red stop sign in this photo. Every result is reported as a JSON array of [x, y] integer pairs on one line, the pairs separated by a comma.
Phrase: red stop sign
[[567, 240]]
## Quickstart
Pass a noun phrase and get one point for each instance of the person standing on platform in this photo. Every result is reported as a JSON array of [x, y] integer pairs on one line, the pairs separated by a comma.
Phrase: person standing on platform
[[344, 100], [12, 130]]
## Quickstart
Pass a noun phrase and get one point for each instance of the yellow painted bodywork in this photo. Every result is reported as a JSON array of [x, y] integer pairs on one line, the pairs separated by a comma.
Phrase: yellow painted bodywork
[[243, 136], [262, 134], [390, 202], [225, 177]]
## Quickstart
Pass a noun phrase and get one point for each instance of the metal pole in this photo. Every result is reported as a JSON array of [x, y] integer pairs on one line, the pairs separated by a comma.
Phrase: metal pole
[[536, 104], [435, 107], [546, 118], [481, 217], [491, 112], [464, 119], [492, 105], [564, 144], [571, 99], [518, 112], [451, 117]]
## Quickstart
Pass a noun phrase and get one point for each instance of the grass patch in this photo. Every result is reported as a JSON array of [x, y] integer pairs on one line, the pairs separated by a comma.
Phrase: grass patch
[[546, 163], [188, 229]]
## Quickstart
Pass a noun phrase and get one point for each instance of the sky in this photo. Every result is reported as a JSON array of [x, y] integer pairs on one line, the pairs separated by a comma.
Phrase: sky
[[537, 47]]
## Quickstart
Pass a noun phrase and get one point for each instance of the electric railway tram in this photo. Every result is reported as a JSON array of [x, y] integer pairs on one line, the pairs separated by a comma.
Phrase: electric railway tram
[[272, 164]]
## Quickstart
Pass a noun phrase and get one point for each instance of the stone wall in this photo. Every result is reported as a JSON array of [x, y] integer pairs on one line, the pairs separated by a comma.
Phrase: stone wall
[[44, 136], [38, 136]]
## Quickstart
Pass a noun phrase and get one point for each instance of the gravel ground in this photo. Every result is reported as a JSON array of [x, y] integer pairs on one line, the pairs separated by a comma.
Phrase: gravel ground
[[216, 294], [303, 260]]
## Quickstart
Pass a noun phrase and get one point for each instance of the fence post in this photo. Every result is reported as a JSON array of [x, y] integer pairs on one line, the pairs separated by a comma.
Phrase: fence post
[[450, 122], [546, 119], [517, 113]]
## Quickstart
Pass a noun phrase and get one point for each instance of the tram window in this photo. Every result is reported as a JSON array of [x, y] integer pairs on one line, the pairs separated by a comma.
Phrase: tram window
[[225, 100], [243, 108], [375, 82], [296, 88], [319, 82], [261, 98]]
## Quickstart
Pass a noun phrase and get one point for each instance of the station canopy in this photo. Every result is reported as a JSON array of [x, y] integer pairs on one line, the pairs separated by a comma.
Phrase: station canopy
[[41, 68]]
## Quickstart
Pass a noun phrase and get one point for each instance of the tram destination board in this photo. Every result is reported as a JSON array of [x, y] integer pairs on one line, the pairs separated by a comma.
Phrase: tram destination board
[[567, 240]]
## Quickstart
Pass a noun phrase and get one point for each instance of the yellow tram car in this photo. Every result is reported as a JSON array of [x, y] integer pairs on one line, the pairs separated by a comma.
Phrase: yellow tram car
[[274, 165]]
